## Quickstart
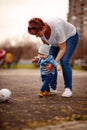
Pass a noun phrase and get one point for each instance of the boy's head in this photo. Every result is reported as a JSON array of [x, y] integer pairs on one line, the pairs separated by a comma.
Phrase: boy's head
[[44, 49]]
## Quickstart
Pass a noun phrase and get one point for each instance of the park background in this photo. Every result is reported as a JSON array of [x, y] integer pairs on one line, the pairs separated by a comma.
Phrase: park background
[[14, 17]]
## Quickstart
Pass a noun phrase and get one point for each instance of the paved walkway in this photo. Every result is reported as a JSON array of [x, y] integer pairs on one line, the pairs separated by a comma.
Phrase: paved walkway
[[75, 125], [26, 111]]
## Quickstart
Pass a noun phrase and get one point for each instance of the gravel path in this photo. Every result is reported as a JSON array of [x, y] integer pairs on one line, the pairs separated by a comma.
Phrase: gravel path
[[26, 111]]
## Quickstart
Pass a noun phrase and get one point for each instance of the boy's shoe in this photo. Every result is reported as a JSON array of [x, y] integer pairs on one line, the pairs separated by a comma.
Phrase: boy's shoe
[[67, 93], [47, 93], [53, 91], [41, 94]]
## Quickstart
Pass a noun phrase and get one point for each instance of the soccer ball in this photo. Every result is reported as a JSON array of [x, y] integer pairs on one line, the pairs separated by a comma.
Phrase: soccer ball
[[5, 95]]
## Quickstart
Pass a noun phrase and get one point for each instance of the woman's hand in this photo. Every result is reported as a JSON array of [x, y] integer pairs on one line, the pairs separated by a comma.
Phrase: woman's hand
[[58, 68], [48, 67]]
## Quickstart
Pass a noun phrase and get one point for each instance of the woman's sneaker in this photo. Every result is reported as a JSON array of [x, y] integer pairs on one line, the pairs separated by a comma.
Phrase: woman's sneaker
[[53, 91], [67, 93]]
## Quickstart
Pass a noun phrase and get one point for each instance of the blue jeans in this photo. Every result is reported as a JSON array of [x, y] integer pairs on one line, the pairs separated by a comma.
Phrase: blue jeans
[[46, 80], [65, 62]]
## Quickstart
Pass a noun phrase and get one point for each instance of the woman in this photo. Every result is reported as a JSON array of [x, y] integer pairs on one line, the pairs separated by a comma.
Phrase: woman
[[63, 38]]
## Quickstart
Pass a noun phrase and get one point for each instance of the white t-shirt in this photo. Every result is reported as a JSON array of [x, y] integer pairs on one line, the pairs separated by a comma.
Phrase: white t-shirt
[[60, 31]]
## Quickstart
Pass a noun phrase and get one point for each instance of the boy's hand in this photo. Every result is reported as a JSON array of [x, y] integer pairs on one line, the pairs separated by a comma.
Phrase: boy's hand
[[35, 60]]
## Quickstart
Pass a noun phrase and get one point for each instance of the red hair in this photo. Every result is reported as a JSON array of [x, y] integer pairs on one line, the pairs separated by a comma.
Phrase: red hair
[[36, 22]]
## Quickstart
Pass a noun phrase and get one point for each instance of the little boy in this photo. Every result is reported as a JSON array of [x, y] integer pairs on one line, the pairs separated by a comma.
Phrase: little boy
[[43, 59]]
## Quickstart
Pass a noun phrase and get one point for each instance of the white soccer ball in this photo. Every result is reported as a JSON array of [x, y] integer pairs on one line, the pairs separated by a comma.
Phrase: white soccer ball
[[5, 95]]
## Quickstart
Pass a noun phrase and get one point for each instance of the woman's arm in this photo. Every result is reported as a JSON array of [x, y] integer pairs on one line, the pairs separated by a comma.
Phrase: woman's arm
[[62, 50]]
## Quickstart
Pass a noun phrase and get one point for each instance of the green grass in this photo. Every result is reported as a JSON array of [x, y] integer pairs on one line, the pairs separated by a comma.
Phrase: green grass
[[26, 66], [21, 66], [79, 68], [33, 66], [76, 68]]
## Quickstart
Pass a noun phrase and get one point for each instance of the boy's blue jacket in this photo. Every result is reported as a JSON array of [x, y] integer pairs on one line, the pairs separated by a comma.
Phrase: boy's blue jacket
[[43, 63]]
